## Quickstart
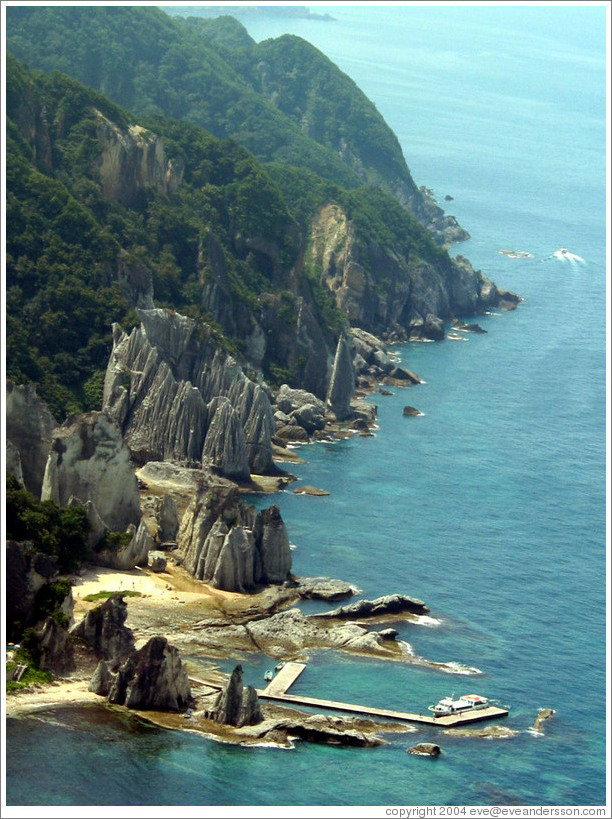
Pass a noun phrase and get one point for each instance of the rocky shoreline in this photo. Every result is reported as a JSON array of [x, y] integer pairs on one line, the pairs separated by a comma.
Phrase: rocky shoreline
[[205, 576]]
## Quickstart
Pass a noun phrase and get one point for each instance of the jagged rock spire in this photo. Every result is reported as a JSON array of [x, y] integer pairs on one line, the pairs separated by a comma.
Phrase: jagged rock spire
[[342, 382]]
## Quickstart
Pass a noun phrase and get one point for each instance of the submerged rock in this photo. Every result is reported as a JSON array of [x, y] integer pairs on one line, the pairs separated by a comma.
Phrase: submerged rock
[[543, 715], [424, 749]]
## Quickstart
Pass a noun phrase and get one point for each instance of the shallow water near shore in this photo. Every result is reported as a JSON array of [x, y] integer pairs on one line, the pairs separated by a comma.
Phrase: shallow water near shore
[[490, 506]]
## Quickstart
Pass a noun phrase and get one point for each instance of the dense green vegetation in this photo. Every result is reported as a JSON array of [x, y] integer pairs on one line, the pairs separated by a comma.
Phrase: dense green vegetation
[[282, 99], [65, 240], [70, 247], [61, 533], [151, 64]]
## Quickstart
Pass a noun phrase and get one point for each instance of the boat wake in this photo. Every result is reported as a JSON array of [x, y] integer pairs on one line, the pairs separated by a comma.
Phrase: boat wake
[[563, 255]]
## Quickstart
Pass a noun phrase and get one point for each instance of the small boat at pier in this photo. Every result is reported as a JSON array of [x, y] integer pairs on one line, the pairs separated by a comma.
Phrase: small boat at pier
[[467, 702]]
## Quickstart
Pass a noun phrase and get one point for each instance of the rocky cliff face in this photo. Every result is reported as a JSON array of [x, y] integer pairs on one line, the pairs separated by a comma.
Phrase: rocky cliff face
[[56, 653], [132, 159], [27, 574], [224, 542], [381, 289], [29, 430], [88, 460], [177, 397]]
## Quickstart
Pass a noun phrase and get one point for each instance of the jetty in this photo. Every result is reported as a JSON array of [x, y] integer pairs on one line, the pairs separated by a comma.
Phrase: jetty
[[279, 686]]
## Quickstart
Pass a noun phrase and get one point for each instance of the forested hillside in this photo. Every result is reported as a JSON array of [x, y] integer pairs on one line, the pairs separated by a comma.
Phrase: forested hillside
[[109, 210], [282, 99]]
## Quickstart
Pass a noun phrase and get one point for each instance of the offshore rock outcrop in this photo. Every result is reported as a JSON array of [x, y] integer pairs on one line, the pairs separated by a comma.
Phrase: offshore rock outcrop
[[164, 385], [29, 432], [381, 607], [224, 542], [152, 678], [236, 705], [88, 460]]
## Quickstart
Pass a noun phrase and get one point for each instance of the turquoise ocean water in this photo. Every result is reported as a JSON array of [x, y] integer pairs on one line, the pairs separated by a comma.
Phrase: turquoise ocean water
[[491, 506]]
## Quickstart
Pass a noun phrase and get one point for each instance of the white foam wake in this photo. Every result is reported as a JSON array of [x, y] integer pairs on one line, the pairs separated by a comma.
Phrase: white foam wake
[[564, 255]]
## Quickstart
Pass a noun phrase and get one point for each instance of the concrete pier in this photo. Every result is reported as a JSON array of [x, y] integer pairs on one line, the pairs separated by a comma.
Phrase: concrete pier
[[278, 687]]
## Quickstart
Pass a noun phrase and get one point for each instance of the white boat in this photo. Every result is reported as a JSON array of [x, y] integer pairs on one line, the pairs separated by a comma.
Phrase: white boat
[[467, 702]]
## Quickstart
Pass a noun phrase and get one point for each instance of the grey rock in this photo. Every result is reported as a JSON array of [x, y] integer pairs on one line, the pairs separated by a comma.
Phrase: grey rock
[[159, 382], [253, 407], [272, 544], [224, 542], [388, 634], [236, 705], [29, 428], [102, 680], [324, 730], [136, 553], [342, 381], [288, 400], [315, 588], [97, 527], [13, 462], [55, 648], [133, 159], [408, 411], [88, 460], [104, 630], [152, 678], [382, 606], [225, 445], [424, 749], [168, 522], [292, 433], [158, 563], [309, 416]]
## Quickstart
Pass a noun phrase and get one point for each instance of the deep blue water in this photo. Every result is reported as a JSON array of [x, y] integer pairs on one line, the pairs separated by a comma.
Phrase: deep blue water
[[491, 506]]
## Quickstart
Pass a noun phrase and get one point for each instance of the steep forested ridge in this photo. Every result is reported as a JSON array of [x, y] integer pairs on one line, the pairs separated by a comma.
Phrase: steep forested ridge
[[111, 209], [283, 99]]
